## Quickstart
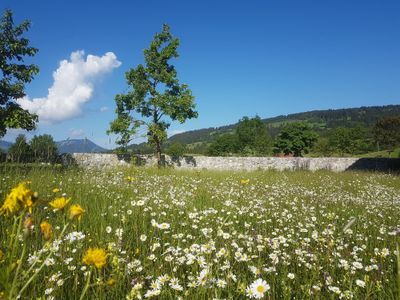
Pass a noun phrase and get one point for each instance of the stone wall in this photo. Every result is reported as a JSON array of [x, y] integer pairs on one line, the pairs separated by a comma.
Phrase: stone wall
[[91, 160]]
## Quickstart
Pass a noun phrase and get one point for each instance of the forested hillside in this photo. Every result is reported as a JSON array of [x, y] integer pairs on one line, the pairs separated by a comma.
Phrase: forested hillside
[[321, 119], [333, 126]]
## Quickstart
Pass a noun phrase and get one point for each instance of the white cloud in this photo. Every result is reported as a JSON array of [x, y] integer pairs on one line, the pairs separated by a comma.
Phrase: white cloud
[[76, 133], [104, 109], [73, 86]]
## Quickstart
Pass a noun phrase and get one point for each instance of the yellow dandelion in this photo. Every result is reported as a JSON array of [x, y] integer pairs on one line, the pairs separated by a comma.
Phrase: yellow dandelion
[[76, 211], [46, 229], [244, 181], [56, 190], [59, 203], [96, 257], [19, 198]]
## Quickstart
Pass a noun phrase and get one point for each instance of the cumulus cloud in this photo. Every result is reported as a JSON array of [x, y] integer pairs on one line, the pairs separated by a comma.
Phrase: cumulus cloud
[[73, 86]]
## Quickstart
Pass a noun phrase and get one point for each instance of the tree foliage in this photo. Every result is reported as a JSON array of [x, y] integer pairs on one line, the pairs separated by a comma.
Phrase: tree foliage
[[296, 138], [41, 149], [223, 145], [249, 138], [15, 74], [156, 95], [349, 140], [176, 149], [44, 149], [20, 151], [387, 132], [253, 136]]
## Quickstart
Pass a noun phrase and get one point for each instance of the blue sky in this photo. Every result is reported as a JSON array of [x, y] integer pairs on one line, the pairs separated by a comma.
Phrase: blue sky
[[238, 57]]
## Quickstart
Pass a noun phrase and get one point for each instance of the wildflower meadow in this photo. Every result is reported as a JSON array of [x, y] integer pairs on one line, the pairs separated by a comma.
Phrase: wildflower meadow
[[165, 234]]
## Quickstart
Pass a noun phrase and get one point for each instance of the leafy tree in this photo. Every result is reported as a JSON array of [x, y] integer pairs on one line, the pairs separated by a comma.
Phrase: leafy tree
[[223, 145], [15, 74], [253, 137], [176, 149], [20, 151], [387, 132], [44, 149], [349, 140], [156, 95], [296, 138], [323, 147]]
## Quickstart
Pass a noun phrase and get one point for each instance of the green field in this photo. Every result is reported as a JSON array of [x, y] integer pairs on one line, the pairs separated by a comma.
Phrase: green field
[[171, 234]]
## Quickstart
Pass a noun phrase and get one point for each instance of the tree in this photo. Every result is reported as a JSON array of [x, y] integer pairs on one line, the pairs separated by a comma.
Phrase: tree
[[225, 144], [176, 149], [296, 138], [253, 137], [387, 132], [44, 149], [349, 140], [20, 151], [15, 74], [156, 94], [323, 147]]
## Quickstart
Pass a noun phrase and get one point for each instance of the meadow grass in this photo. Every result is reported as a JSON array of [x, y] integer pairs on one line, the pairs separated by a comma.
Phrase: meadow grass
[[171, 234]]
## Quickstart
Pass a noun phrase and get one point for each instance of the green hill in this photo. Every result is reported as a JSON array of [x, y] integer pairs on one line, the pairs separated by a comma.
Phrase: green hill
[[322, 121]]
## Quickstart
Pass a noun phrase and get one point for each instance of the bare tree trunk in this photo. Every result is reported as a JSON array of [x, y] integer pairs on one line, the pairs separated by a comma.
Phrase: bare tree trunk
[[160, 160]]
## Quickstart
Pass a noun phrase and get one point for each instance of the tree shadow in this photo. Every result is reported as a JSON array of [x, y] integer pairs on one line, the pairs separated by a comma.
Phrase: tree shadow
[[379, 164]]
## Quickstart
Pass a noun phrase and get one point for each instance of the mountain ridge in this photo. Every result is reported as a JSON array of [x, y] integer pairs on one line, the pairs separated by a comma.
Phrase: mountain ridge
[[68, 146]]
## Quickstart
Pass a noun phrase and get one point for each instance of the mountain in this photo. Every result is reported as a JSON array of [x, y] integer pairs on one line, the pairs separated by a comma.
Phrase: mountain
[[4, 145], [78, 146], [322, 121]]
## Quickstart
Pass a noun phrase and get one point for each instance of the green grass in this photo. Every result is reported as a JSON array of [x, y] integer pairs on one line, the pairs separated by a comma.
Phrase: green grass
[[335, 232]]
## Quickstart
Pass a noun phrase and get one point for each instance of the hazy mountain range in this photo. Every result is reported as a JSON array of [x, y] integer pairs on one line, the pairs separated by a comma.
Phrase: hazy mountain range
[[68, 146]]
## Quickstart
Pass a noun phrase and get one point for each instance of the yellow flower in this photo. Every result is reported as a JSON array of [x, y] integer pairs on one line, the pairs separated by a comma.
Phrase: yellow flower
[[56, 190], [130, 179], [59, 203], [19, 198], [76, 211], [244, 181], [46, 229], [96, 257], [111, 282]]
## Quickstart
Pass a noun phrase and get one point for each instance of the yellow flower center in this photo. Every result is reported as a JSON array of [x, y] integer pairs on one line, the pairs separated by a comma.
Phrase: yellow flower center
[[260, 289]]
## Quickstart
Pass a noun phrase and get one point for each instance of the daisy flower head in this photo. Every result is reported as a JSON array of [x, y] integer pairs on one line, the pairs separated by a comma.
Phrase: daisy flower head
[[258, 288]]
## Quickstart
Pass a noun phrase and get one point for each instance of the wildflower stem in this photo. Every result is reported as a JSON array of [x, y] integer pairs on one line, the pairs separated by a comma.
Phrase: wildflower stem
[[12, 234], [14, 237], [41, 266], [86, 286], [18, 269]]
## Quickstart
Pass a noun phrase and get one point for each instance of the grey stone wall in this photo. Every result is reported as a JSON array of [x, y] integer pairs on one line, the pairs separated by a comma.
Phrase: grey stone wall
[[91, 160]]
